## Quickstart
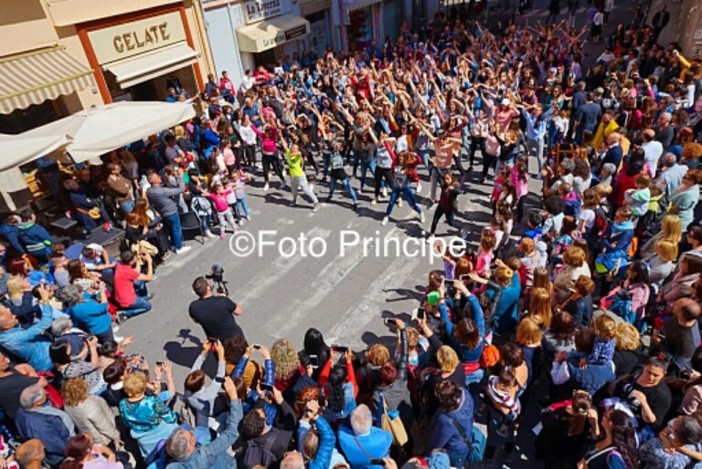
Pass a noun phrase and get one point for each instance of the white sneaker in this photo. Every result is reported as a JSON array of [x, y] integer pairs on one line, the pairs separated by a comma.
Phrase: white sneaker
[[265, 187], [183, 250], [419, 187], [384, 221], [421, 217], [400, 202], [315, 208], [374, 201], [115, 328], [385, 192], [210, 234], [248, 217], [118, 339]]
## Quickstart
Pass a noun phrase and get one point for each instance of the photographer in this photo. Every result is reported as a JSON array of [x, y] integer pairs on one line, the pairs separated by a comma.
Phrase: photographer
[[215, 313], [130, 291]]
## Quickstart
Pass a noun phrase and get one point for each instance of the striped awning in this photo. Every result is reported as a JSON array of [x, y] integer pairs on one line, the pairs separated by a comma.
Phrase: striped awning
[[358, 4], [37, 76]]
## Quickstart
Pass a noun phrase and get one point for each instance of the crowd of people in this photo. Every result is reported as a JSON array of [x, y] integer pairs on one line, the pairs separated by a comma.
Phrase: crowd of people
[[583, 299]]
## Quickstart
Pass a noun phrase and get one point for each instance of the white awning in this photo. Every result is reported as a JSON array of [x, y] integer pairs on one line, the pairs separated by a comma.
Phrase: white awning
[[100, 129], [154, 64], [358, 4], [271, 33], [37, 76], [20, 149]]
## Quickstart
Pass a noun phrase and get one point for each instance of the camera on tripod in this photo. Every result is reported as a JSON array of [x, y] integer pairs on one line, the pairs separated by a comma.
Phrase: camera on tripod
[[217, 276]]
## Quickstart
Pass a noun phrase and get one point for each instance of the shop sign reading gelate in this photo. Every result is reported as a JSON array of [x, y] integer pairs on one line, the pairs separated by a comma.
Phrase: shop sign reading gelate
[[258, 10], [137, 37]]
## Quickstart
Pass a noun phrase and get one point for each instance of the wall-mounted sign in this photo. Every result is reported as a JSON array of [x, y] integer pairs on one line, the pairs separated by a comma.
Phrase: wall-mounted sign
[[129, 39], [259, 10]]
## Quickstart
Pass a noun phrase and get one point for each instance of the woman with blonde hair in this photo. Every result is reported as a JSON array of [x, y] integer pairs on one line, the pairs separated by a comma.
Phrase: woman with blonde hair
[[574, 265], [90, 413], [540, 310], [146, 416], [671, 230], [287, 365], [531, 260], [627, 354], [662, 263]]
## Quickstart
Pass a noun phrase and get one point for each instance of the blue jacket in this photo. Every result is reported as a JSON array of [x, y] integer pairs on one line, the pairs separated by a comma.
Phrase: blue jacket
[[11, 234], [466, 354], [34, 236], [327, 442], [590, 379], [374, 445], [29, 344], [50, 429], [214, 455], [620, 233], [445, 435], [507, 311], [91, 316]]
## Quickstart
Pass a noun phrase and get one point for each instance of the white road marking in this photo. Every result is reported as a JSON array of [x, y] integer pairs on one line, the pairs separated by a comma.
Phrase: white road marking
[[263, 282], [353, 321]]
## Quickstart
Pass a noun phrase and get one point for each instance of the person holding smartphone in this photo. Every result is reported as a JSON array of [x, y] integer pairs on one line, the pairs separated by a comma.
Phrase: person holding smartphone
[[309, 406], [338, 383], [204, 398]]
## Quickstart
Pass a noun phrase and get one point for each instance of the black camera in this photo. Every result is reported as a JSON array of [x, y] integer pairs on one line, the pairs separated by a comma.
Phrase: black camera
[[216, 274]]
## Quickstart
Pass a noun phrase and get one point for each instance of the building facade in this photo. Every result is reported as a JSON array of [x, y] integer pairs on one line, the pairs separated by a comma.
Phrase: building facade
[[246, 34], [58, 57]]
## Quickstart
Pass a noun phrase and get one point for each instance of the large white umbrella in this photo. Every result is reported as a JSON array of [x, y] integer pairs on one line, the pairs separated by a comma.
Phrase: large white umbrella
[[101, 129], [16, 150]]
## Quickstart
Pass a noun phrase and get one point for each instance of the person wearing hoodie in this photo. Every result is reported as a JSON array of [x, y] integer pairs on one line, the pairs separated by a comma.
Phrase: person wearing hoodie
[[34, 236], [453, 423], [10, 231], [639, 197], [616, 242]]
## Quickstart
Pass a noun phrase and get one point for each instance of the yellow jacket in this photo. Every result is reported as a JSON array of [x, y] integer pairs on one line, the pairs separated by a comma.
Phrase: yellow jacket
[[602, 133]]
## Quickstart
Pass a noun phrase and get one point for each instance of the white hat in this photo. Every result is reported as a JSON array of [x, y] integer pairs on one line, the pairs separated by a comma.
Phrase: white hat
[[505, 102]]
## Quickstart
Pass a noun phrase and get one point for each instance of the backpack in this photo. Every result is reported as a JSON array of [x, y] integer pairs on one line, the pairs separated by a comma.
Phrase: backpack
[[476, 441], [490, 356], [601, 224], [258, 455]]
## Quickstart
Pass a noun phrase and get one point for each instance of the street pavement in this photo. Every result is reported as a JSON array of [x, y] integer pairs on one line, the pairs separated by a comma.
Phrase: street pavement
[[344, 295]]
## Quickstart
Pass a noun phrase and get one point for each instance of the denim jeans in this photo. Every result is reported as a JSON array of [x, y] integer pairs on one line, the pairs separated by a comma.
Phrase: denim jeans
[[242, 206], [347, 184], [127, 207], [365, 166], [173, 224], [407, 193], [141, 304]]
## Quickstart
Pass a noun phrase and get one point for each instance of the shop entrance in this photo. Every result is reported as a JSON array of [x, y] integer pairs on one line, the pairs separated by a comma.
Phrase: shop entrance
[[267, 58]]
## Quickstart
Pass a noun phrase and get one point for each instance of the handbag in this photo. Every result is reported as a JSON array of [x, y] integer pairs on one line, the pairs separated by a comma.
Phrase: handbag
[[144, 247], [394, 426], [93, 213]]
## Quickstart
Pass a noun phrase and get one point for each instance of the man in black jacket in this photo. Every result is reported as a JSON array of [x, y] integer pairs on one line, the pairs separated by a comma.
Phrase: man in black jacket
[[263, 443]]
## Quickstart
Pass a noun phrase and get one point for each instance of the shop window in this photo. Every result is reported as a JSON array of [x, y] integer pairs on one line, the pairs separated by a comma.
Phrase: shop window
[[34, 116], [267, 58]]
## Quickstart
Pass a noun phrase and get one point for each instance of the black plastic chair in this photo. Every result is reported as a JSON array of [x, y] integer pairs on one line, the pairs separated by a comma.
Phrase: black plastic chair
[[189, 221]]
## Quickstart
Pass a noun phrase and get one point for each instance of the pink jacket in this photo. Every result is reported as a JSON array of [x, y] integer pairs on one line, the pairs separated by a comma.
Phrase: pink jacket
[[220, 200], [268, 145]]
